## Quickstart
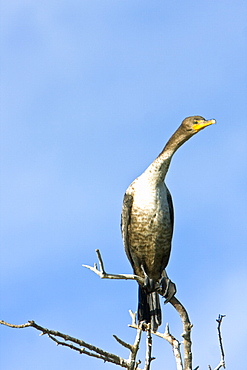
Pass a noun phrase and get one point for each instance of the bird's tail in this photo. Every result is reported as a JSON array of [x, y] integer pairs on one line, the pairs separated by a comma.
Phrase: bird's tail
[[149, 308]]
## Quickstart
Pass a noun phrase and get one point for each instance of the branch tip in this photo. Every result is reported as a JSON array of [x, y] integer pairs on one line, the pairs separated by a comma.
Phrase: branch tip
[[124, 344], [167, 329]]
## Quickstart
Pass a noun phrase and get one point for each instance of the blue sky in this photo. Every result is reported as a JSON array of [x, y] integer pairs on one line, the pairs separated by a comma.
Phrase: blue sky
[[90, 93]]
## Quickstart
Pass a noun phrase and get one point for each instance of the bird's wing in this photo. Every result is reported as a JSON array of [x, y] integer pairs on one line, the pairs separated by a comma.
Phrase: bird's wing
[[125, 221], [171, 210]]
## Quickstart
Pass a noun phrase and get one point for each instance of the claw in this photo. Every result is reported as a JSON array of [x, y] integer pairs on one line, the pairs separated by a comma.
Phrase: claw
[[168, 288], [171, 291], [149, 284]]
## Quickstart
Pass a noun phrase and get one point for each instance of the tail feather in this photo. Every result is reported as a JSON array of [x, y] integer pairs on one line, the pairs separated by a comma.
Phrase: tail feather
[[149, 308]]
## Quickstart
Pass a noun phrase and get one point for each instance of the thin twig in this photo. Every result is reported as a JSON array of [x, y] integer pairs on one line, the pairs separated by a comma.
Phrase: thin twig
[[221, 364], [133, 364], [222, 360], [175, 346], [80, 350], [101, 264], [219, 321], [168, 337], [28, 324], [93, 350], [148, 348], [80, 345], [103, 275], [133, 317], [124, 344]]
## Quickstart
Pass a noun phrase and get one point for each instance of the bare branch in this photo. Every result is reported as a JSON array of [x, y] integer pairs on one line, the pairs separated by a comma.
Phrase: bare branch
[[93, 351], [219, 321], [175, 346], [221, 364], [167, 336], [222, 360], [16, 326], [80, 345], [132, 358], [133, 317], [80, 350], [149, 357], [174, 301], [187, 326], [124, 344], [101, 264], [103, 275], [131, 364]]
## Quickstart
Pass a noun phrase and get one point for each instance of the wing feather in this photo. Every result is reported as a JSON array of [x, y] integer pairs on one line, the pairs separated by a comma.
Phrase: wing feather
[[125, 222], [171, 209]]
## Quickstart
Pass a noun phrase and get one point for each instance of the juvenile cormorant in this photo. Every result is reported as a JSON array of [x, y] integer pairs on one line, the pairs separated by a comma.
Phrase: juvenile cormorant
[[147, 222]]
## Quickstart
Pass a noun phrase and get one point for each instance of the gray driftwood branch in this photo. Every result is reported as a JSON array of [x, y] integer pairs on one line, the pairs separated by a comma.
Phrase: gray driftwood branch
[[88, 349], [175, 346], [131, 363], [187, 326], [167, 336], [103, 275], [170, 339], [184, 363]]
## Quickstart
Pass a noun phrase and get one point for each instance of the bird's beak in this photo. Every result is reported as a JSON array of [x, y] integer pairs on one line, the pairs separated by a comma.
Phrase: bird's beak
[[202, 124]]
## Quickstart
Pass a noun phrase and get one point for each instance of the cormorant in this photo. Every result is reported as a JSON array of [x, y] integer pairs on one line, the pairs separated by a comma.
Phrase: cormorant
[[147, 222]]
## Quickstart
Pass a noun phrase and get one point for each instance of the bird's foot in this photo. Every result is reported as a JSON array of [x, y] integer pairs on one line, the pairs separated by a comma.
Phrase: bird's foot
[[149, 284], [168, 288], [144, 325]]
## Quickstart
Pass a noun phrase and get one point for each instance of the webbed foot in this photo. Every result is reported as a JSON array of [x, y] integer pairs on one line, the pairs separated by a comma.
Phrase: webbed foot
[[149, 284], [168, 288]]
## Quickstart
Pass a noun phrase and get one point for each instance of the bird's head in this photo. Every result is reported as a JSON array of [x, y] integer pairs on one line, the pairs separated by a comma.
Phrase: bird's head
[[189, 127], [195, 124]]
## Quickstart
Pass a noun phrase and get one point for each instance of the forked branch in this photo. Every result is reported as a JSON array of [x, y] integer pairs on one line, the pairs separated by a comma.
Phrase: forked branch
[[75, 344], [131, 363], [103, 275], [167, 336], [175, 346]]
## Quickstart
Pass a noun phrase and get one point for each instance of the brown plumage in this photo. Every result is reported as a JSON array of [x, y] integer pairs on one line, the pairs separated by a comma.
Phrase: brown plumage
[[147, 222]]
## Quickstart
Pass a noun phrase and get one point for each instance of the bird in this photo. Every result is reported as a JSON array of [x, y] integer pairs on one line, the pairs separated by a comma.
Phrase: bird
[[147, 222]]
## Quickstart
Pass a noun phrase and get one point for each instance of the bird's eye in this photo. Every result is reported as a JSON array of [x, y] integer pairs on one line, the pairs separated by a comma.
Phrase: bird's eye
[[195, 121]]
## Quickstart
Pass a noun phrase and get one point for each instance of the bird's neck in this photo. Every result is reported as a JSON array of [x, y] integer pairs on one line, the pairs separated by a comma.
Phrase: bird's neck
[[158, 169]]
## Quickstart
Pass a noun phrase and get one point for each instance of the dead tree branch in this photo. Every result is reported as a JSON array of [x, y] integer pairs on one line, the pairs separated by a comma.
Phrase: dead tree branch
[[103, 275], [187, 326], [175, 303], [219, 321], [131, 363], [175, 346], [149, 357], [169, 338], [85, 348], [222, 360]]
